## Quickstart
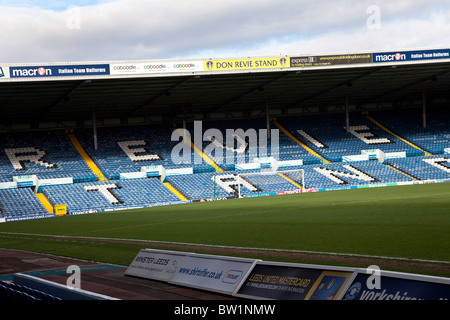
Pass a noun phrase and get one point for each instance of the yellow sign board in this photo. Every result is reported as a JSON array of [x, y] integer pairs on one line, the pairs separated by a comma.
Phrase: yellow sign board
[[244, 64], [61, 209]]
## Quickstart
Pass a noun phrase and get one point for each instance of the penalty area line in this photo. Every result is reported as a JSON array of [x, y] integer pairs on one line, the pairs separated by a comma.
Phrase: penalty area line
[[355, 255]]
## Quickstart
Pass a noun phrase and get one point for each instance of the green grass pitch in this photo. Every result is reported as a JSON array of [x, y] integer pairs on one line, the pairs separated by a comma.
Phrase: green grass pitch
[[407, 222]]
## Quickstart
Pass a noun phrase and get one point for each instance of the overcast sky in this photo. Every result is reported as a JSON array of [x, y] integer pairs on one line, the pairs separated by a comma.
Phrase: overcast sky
[[99, 30]]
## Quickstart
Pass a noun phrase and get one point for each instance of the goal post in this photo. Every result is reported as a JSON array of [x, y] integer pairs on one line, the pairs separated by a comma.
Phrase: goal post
[[260, 183]]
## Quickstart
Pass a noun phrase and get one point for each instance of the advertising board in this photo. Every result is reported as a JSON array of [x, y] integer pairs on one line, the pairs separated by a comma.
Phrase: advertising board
[[278, 281], [155, 67], [331, 60], [25, 181], [58, 71], [398, 286], [415, 55], [213, 273], [246, 64], [155, 264]]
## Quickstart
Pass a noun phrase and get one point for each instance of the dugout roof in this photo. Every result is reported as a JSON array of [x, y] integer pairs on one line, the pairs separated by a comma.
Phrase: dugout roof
[[243, 85]]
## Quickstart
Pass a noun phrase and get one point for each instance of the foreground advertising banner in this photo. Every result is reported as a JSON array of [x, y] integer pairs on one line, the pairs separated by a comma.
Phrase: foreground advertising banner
[[268, 280], [277, 281], [213, 273], [397, 286], [331, 60], [155, 264], [416, 55], [156, 67], [58, 71], [244, 64]]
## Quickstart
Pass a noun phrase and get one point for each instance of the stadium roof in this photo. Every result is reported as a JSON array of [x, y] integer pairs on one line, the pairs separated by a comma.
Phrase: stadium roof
[[33, 93]]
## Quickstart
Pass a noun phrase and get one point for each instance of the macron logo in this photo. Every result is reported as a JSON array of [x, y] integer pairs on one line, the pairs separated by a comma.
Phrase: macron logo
[[390, 57], [31, 72]]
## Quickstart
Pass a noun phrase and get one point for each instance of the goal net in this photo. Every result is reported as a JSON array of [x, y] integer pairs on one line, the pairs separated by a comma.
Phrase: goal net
[[261, 183]]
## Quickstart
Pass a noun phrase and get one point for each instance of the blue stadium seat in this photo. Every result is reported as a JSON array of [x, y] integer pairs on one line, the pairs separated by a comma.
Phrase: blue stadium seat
[[14, 292], [19, 202]]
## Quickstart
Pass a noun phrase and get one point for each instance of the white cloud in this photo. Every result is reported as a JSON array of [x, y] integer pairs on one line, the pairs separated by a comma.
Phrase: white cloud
[[56, 5], [156, 29]]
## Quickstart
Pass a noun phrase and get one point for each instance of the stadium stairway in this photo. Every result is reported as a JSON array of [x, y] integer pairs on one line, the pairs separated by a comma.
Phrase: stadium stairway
[[175, 191], [295, 183], [394, 134], [45, 202], [433, 135], [83, 197], [290, 135], [207, 159], [423, 167], [409, 175], [95, 169]]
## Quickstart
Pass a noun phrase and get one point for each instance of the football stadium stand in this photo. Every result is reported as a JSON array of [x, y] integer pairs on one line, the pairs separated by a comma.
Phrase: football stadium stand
[[434, 138], [81, 137], [322, 134], [18, 202], [108, 195], [127, 149], [46, 154], [132, 165]]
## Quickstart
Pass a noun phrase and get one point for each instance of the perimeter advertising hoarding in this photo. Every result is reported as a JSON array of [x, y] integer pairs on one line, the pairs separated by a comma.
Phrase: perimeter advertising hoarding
[[213, 273], [246, 64], [416, 55], [154, 67], [279, 281], [397, 286], [155, 264], [58, 71], [331, 60]]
